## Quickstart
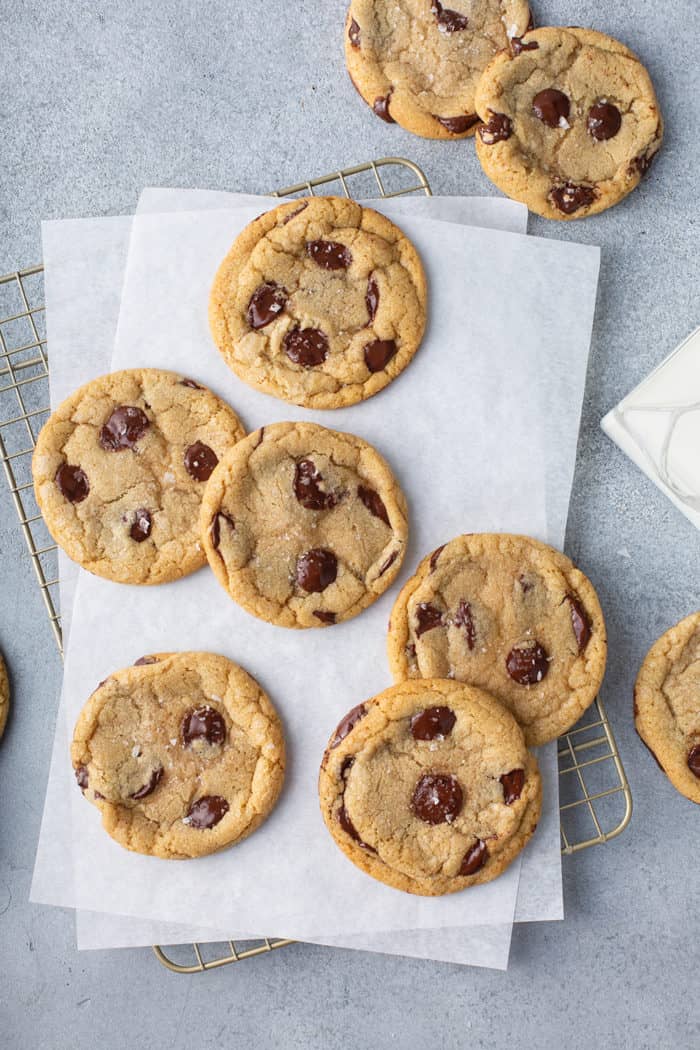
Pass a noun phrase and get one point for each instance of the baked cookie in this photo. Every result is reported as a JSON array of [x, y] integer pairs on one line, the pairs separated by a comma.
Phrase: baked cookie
[[417, 63], [429, 787], [119, 471], [507, 614], [571, 122], [667, 704], [183, 754], [4, 695], [304, 526], [319, 302]]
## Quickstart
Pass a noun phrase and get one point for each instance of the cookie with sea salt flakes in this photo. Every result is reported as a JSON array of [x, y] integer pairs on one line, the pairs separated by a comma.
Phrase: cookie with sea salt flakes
[[417, 63], [304, 526], [667, 704], [429, 787], [320, 302], [183, 754], [119, 471], [570, 122], [510, 615]]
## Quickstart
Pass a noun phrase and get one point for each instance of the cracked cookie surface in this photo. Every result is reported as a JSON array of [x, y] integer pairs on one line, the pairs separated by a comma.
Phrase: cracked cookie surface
[[183, 754], [304, 526], [507, 614], [667, 704], [119, 471], [417, 63], [320, 302], [4, 695], [571, 122], [429, 787]]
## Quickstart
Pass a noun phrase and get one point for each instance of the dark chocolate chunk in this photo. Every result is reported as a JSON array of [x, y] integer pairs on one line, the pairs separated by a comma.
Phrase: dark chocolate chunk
[[449, 21], [373, 502], [518, 45], [552, 107], [474, 858], [437, 798], [513, 784], [527, 663], [316, 570], [307, 487], [81, 775], [141, 528], [604, 121], [498, 128], [694, 760], [200, 461], [206, 812], [372, 298], [306, 346], [324, 617], [580, 621], [348, 723], [379, 353], [349, 828], [354, 33], [458, 125], [381, 108], [150, 785], [427, 618], [293, 214], [144, 660], [388, 563], [123, 428], [266, 303], [191, 384], [465, 619], [72, 483], [203, 723], [434, 557], [215, 528], [329, 255], [569, 197], [435, 723]]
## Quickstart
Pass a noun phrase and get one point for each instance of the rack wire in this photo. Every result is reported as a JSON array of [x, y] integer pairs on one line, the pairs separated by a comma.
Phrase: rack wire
[[595, 797]]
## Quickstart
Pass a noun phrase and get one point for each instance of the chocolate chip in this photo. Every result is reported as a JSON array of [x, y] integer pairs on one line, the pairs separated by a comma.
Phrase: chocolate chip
[[72, 483], [123, 428], [410, 651], [205, 812], [694, 760], [150, 785], [435, 723], [474, 858], [642, 163], [144, 660], [266, 303], [569, 197], [203, 723], [348, 763], [517, 46], [381, 108], [513, 784], [379, 353], [373, 502], [604, 121], [437, 798], [458, 125], [526, 583], [372, 298], [552, 107], [527, 663], [464, 618], [329, 255], [215, 528], [498, 128], [81, 775], [434, 557], [349, 828], [293, 214], [191, 384], [388, 563], [354, 33], [448, 21], [427, 618], [307, 487], [306, 346], [579, 621], [141, 529], [316, 570], [200, 461], [348, 723], [324, 617]]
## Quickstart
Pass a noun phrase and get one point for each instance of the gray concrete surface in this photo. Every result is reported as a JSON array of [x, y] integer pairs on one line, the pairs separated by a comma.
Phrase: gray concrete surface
[[99, 99]]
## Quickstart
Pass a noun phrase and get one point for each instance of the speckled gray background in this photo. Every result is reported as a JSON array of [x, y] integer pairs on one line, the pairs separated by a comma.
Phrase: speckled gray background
[[100, 99]]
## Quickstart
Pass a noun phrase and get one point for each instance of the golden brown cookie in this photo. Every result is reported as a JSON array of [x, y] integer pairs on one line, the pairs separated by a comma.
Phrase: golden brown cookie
[[4, 695], [510, 615], [183, 754], [119, 471], [571, 122], [319, 302], [417, 63], [304, 526], [429, 787], [667, 704]]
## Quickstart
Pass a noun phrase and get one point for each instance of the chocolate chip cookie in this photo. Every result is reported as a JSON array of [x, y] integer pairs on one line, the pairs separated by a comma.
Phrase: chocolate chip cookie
[[667, 704], [429, 787], [183, 754], [417, 63], [119, 471], [507, 614], [4, 695], [319, 302], [304, 526], [570, 122]]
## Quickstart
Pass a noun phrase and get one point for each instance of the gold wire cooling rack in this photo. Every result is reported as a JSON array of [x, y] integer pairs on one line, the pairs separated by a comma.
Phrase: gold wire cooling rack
[[595, 798]]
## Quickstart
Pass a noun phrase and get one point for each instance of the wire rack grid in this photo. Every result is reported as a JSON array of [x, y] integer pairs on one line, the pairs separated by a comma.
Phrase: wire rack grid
[[595, 798]]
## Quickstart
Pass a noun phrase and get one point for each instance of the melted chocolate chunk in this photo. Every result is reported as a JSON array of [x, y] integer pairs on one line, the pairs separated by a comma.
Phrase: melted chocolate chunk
[[381, 108], [316, 570], [203, 723], [329, 255], [206, 812], [144, 660], [464, 618], [307, 487], [266, 303], [324, 617], [579, 621], [604, 121], [513, 784], [191, 384], [435, 723], [72, 483], [569, 198], [374, 503], [215, 528], [354, 34], [349, 828], [141, 529], [379, 353], [123, 428], [437, 798], [389, 562], [474, 858], [306, 346], [448, 21], [293, 214], [434, 557], [642, 163], [517, 44], [81, 775], [498, 128], [372, 298], [458, 125], [150, 785], [427, 618], [552, 107], [348, 723], [200, 461], [527, 664], [694, 760]]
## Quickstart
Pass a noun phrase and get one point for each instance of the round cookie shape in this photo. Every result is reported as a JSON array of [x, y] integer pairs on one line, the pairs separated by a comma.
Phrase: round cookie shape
[[320, 302], [667, 704], [417, 63], [304, 526], [183, 754], [119, 472], [4, 695], [509, 615], [429, 787], [571, 122]]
